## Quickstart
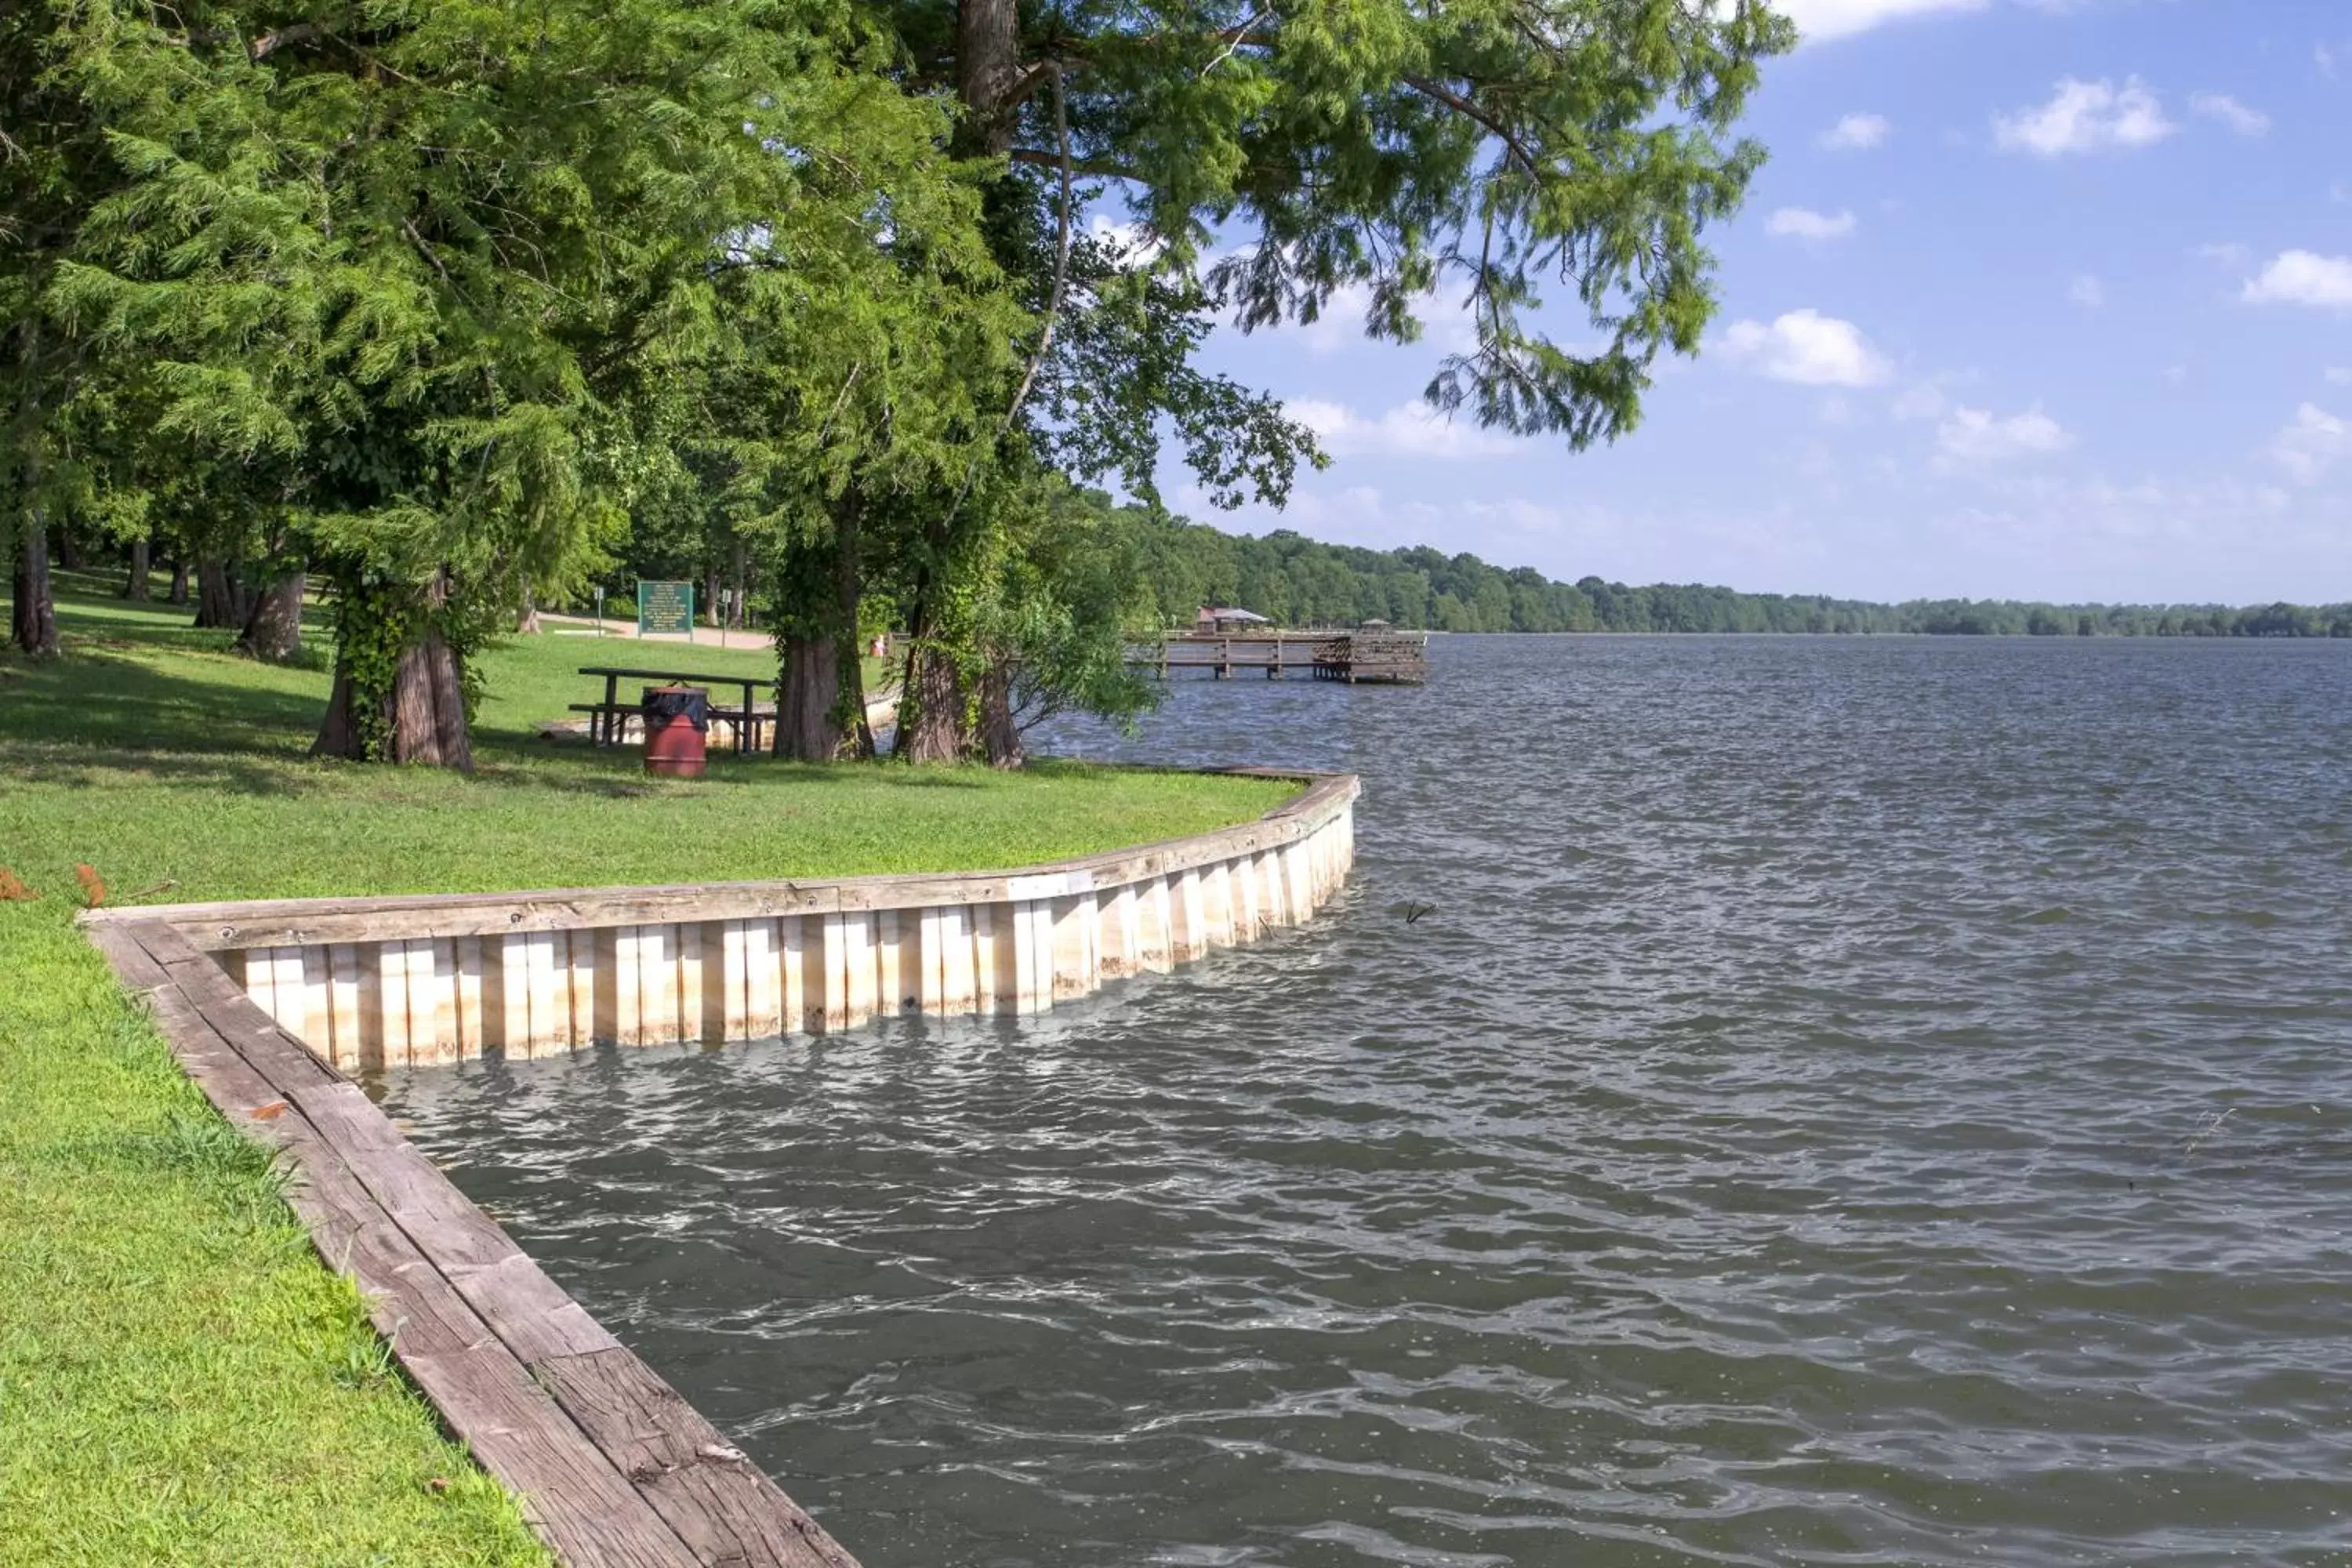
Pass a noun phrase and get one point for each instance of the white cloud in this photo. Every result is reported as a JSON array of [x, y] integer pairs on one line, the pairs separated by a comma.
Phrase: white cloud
[[1409, 430], [1924, 401], [1974, 435], [2232, 255], [1446, 327], [2338, 374], [1821, 19], [1513, 528], [2312, 445], [1803, 222], [1339, 326], [2221, 106], [1135, 244], [2302, 278], [1857, 132], [1807, 348], [2085, 117], [2087, 291]]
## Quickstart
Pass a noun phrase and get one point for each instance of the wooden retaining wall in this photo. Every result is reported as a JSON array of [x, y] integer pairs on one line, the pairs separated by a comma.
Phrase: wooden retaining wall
[[612, 1467], [376, 983], [267, 1003]]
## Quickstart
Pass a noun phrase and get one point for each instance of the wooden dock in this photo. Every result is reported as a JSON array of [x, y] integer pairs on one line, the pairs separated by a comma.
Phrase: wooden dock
[[1358, 658]]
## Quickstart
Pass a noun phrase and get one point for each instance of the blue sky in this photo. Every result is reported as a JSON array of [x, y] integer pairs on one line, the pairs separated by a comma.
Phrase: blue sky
[[2036, 298]]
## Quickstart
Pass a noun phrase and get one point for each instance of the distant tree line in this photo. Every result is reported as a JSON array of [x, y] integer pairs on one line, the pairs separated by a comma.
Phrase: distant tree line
[[1301, 582]]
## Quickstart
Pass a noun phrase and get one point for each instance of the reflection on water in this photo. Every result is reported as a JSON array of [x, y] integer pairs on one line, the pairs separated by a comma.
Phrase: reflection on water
[[1852, 1103]]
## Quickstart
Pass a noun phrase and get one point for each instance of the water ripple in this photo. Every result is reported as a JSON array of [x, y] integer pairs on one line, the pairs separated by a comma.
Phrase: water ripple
[[1852, 1103]]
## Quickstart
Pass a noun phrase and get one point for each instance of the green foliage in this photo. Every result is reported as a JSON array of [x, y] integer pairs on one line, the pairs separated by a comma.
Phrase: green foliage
[[1061, 602], [460, 284], [1470, 152], [469, 303], [1121, 374]]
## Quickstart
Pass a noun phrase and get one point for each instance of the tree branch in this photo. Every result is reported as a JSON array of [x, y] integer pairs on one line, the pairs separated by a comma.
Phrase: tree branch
[[262, 46], [1238, 36], [1470, 110], [408, 228], [1061, 252], [1025, 86], [1054, 301]]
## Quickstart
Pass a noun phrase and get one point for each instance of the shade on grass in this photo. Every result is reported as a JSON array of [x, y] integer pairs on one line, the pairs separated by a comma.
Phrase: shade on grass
[[180, 1380], [154, 754]]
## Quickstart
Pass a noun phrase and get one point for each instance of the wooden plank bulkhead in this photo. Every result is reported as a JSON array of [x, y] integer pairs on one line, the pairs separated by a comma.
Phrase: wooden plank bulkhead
[[409, 982]]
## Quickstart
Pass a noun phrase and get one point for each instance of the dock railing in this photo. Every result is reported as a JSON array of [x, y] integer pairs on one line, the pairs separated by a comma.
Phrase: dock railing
[[1357, 656]]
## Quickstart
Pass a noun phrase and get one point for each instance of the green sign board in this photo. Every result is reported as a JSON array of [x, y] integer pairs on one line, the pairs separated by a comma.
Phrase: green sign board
[[665, 608]]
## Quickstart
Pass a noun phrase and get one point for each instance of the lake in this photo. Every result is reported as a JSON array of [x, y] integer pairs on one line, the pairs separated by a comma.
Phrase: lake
[[1847, 1101]]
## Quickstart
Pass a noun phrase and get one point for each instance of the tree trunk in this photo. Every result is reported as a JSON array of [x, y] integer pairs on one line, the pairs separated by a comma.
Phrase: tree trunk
[[216, 595], [805, 731], [273, 632], [821, 699], [134, 586], [735, 612], [340, 734], [930, 707], [33, 621], [419, 719], [179, 583], [69, 551], [32, 608], [428, 708], [711, 607], [988, 64], [998, 734]]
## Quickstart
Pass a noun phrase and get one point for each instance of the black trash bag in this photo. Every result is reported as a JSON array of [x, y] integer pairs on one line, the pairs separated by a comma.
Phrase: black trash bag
[[663, 703]]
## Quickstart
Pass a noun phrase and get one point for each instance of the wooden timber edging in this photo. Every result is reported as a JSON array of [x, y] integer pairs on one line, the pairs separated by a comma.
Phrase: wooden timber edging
[[378, 983], [611, 1465]]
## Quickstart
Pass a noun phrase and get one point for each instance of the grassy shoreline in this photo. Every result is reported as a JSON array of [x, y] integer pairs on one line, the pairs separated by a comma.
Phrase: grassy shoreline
[[180, 1378]]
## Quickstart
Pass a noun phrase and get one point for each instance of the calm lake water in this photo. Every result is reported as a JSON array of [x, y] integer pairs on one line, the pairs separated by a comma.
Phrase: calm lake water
[[1868, 1102]]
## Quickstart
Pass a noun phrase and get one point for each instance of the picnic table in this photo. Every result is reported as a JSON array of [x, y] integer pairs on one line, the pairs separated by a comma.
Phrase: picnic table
[[608, 719]]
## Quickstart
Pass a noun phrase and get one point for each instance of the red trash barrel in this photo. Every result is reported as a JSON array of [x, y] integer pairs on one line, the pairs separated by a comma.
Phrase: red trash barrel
[[676, 717]]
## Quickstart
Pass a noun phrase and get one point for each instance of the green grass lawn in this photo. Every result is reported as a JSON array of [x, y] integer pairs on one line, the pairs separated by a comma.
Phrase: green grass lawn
[[153, 753], [180, 1379]]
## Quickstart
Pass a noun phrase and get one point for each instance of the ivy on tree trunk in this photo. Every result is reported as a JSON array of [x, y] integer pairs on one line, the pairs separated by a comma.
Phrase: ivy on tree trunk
[[400, 681], [821, 691], [1000, 733], [931, 705], [933, 726]]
